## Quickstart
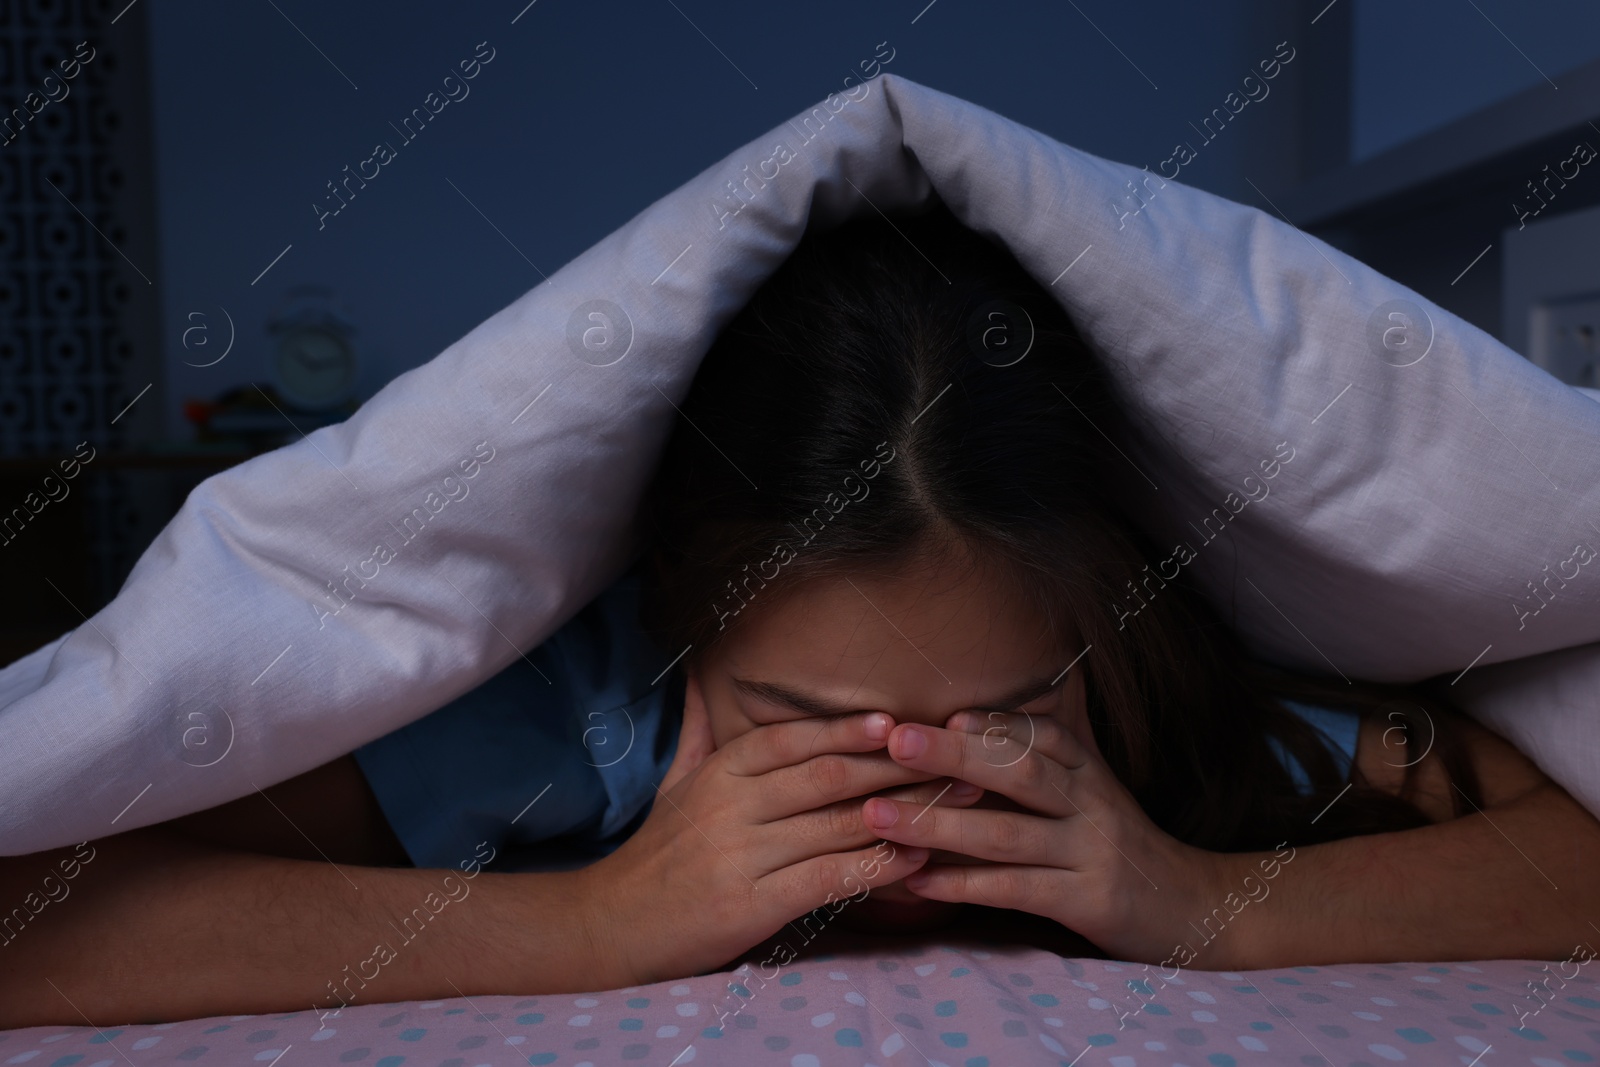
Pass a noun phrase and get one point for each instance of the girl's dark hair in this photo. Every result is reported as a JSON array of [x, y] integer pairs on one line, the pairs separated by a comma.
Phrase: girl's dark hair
[[919, 339]]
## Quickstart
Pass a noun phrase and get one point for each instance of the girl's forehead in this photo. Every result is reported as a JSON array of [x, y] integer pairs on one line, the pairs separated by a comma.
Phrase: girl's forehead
[[937, 635]]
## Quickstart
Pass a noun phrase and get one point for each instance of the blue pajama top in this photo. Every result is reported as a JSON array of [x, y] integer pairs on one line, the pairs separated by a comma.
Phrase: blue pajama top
[[554, 761], [561, 750]]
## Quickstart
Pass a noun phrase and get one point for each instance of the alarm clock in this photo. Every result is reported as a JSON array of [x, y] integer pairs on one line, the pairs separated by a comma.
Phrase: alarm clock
[[315, 365]]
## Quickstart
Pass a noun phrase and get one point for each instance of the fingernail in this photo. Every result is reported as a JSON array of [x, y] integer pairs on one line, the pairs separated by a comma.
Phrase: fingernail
[[882, 812], [915, 855], [877, 726], [959, 722], [965, 790], [912, 743]]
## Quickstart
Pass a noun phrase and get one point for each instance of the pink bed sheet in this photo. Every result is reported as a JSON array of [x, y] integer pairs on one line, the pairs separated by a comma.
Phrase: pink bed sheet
[[937, 1005]]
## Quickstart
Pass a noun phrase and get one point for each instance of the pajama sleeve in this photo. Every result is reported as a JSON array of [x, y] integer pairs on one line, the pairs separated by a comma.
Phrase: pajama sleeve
[[1339, 728], [553, 762]]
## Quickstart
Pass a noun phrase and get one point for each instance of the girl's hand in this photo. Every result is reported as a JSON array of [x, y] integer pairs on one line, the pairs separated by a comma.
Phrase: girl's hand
[[742, 839], [1083, 853]]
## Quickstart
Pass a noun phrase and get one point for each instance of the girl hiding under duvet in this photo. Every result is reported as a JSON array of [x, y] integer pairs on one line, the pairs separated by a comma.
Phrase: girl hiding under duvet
[[894, 660]]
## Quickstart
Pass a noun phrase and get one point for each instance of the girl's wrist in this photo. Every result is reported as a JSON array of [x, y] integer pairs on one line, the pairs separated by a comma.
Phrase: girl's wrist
[[607, 935], [555, 933], [1220, 922]]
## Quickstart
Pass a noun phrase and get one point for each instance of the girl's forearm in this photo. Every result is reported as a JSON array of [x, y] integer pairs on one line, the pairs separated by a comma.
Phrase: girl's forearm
[[1517, 881], [159, 927]]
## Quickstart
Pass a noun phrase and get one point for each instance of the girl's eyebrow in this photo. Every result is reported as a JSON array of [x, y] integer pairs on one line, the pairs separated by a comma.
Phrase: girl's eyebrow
[[784, 696]]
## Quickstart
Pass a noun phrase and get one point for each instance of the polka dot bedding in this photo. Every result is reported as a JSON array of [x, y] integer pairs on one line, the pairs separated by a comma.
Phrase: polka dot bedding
[[933, 1005]]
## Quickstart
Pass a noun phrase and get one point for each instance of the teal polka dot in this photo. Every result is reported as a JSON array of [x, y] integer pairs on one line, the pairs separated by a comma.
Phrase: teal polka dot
[[1576, 1056], [959, 971], [639, 1002], [455, 1011], [1156, 1009], [1244, 989], [1584, 1002], [848, 1038], [530, 1018], [1140, 986], [1477, 986], [1415, 1034], [390, 1061], [711, 1031], [1221, 1059], [110, 1035], [1528, 1032], [739, 990], [945, 1008], [954, 1039], [1487, 1009], [1102, 1039], [631, 1024], [413, 1034], [792, 978], [1044, 1000], [542, 1057], [1260, 1026], [977, 1061], [68, 1061], [1286, 980]]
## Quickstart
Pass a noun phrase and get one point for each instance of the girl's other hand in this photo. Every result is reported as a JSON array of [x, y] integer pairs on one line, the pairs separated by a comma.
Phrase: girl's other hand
[[743, 839], [1079, 849]]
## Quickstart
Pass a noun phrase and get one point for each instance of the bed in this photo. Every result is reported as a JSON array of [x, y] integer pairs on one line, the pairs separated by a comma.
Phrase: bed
[[931, 1005]]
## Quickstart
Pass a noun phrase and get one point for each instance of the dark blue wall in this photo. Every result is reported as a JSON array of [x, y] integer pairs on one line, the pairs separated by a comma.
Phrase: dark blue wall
[[586, 114]]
